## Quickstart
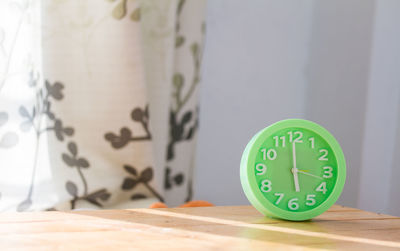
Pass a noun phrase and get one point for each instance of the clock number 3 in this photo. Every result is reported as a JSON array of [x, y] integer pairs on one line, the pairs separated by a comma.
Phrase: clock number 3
[[327, 172], [266, 186]]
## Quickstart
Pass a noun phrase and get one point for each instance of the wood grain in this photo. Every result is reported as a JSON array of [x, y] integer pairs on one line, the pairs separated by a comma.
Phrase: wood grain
[[212, 228]]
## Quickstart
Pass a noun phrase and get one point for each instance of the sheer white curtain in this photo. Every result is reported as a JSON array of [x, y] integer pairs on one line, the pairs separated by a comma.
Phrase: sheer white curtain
[[98, 102]]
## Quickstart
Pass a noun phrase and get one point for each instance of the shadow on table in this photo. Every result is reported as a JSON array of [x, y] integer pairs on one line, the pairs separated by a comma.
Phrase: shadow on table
[[253, 230]]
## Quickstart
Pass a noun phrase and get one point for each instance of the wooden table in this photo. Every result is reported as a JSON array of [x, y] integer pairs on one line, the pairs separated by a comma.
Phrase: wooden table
[[212, 228]]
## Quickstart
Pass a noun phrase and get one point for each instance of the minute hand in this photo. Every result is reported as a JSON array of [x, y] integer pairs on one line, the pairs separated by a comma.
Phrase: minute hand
[[309, 174]]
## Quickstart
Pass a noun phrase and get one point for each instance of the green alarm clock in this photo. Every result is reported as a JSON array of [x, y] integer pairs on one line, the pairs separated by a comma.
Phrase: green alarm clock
[[294, 170]]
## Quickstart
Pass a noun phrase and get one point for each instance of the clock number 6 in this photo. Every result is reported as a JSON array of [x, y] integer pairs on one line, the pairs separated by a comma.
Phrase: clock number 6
[[266, 186], [292, 204]]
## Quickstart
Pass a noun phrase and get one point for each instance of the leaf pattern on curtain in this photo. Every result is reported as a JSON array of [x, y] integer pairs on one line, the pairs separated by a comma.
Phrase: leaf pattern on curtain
[[71, 159], [179, 130], [126, 135], [183, 121], [120, 10], [8, 139], [34, 118], [120, 140], [135, 179]]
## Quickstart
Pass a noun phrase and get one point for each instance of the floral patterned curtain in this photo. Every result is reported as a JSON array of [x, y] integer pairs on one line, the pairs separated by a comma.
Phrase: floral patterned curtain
[[98, 102]]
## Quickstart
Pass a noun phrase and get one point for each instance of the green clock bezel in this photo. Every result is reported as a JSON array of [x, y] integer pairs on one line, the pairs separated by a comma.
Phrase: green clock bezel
[[248, 178]]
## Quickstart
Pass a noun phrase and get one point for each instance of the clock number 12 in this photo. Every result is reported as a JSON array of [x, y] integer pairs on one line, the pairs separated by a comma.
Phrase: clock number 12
[[295, 136]]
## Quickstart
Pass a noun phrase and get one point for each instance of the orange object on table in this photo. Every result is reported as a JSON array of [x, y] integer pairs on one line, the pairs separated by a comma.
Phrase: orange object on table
[[193, 203]]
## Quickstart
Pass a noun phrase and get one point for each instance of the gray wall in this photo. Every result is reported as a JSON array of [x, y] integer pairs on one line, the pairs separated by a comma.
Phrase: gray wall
[[337, 73], [253, 75], [328, 61]]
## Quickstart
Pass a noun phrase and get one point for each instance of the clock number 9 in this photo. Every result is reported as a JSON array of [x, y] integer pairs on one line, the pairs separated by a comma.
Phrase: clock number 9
[[266, 186], [261, 169], [270, 154]]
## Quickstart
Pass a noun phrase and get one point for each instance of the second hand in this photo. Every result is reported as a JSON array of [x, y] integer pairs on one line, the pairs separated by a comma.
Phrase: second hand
[[309, 174]]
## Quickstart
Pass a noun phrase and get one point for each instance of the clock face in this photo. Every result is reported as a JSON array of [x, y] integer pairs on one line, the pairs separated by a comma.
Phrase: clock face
[[293, 169]]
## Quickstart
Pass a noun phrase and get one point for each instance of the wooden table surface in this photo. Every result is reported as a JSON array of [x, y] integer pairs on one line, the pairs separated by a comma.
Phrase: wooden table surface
[[212, 228]]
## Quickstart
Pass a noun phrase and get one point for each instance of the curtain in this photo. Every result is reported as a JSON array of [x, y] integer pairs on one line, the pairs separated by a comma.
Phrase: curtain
[[98, 102]]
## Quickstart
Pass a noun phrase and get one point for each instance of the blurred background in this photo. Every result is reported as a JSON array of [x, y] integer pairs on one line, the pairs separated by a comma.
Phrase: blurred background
[[332, 62], [125, 103]]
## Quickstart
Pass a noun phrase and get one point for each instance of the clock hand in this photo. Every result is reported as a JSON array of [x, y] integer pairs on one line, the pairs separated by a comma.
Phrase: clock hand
[[294, 169], [309, 174]]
